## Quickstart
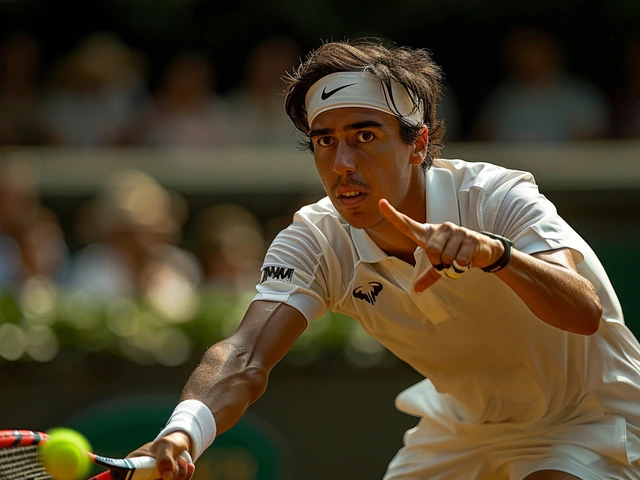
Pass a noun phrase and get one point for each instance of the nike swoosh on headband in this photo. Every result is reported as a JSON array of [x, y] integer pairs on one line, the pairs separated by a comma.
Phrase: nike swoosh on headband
[[365, 91], [326, 94]]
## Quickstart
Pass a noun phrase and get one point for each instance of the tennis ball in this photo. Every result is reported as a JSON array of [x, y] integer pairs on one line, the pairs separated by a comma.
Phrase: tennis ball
[[64, 454]]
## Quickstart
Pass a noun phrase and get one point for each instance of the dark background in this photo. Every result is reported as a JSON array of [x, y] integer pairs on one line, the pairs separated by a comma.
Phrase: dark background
[[465, 36]]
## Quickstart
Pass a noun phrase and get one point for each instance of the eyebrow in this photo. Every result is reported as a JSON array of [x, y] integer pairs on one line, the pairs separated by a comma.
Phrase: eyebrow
[[350, 126]]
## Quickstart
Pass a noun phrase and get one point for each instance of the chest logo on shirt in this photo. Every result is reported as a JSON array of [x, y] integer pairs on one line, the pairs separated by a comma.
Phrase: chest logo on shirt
[[283, 274], [368, 292]]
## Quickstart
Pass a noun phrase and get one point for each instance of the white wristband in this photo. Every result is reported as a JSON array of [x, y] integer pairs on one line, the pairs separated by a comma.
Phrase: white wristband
[[196, 420]]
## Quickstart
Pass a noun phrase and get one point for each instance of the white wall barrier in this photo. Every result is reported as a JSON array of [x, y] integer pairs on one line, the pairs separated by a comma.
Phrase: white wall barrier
[[610, 165]]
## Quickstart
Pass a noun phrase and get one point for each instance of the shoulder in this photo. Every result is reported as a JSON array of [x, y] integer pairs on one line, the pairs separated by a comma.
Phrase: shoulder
[[481, 175], [322, 219], [482, 188], [318, 227], [320, 212]]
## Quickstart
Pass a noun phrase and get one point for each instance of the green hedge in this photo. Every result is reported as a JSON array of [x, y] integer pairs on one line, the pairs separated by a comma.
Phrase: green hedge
[[44, 322]]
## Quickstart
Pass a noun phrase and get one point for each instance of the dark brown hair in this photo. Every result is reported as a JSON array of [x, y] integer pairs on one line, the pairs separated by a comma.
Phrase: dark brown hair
[[413, 68]]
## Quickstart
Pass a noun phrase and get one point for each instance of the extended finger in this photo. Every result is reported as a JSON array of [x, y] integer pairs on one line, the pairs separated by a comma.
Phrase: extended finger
[[418, 232]]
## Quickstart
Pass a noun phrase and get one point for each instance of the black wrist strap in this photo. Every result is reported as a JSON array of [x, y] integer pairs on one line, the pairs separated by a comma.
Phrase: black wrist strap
[[506, 256]]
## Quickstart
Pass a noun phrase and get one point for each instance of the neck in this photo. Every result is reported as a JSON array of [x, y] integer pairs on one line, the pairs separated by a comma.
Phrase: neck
[[399, 247]]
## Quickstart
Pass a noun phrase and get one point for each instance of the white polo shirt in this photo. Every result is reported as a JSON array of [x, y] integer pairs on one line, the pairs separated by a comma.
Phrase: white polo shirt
[[486, 358]]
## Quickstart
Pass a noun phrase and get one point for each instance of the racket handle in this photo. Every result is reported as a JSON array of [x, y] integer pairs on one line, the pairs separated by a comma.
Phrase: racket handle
[[134, 468], [145, 468]]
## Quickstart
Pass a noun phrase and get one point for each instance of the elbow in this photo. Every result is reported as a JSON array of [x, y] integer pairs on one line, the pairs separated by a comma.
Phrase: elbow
[[257, 378], [595, 318], [587, 328], [589, 321]]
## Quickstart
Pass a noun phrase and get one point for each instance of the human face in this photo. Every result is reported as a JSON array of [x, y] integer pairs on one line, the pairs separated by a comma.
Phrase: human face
[[361, 157]]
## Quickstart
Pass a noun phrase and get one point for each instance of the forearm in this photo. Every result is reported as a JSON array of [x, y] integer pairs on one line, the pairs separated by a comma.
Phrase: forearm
[[234, 373], [230, 377], [227, 382], [556, 294]]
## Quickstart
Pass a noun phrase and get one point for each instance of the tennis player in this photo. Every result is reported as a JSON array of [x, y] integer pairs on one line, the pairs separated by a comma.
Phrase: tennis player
[[463, 270]]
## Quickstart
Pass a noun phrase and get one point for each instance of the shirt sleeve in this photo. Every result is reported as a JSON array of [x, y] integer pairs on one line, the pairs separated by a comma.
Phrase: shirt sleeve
[[532, 222], [294, 272]]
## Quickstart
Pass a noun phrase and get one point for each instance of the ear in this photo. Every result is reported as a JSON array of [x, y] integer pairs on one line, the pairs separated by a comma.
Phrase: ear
[[420, 145]]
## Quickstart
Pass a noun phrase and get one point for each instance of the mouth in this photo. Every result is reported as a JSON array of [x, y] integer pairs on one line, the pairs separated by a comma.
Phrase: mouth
[[350, 197]]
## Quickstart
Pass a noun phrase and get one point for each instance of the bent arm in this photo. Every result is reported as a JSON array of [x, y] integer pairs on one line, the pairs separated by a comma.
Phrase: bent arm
[[233, 373], [550, 285], [547, 282]]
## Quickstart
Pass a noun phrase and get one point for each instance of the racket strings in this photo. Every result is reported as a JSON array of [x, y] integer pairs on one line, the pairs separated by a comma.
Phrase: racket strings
[[21, 463]]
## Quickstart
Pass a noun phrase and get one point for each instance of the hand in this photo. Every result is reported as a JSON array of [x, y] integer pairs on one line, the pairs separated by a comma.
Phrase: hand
[[444, 243], [166, 451]]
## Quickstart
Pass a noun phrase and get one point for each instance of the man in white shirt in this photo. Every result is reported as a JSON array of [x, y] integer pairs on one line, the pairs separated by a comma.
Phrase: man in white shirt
[[463, 270]]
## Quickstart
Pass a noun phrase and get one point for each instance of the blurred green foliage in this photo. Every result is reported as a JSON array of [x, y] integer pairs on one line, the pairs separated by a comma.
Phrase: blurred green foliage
[[43, 322]]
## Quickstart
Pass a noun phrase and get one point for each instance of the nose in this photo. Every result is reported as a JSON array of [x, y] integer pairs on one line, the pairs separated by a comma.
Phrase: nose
[[344, 161]]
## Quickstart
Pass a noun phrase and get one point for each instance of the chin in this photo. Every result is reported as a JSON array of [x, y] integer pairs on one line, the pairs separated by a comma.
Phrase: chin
[[360, 217], [360, 220]]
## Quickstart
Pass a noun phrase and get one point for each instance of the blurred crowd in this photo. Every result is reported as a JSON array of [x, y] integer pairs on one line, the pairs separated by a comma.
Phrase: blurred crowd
[[134, 238], [103, 93], [139, 248], [149, 279], [138, 237]]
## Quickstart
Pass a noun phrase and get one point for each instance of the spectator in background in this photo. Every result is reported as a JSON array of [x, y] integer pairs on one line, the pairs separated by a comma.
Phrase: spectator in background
[[185, 110], [229, 241], [540, 101], [626, 102], [95, 90], [132, 229], [256, 105], [21, 116], [31, 238]]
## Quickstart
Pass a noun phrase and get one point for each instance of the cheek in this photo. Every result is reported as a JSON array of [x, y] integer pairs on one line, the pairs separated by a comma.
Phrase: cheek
[[394, 180], [322, 165], [324, 169]]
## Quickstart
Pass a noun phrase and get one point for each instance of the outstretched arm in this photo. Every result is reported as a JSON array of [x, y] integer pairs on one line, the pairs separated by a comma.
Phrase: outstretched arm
[[234, 372], [231, 376], [548, 282]]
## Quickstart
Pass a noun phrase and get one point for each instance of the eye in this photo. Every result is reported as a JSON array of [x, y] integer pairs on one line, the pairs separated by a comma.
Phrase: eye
[[365, 137], [324, 141]]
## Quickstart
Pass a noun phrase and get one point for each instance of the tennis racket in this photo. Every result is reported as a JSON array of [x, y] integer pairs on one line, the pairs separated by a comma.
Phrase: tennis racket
[[19, 460]]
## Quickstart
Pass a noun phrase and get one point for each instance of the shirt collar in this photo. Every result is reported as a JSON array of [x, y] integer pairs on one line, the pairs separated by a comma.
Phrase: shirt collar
[[442, 197], [442, 206], [367, 249]]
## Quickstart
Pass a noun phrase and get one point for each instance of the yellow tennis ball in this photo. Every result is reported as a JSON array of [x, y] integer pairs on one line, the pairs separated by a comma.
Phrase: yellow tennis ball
[[64, 454]]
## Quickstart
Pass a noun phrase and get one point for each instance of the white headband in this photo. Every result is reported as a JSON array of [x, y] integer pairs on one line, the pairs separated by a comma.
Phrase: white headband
[[364, 90]]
